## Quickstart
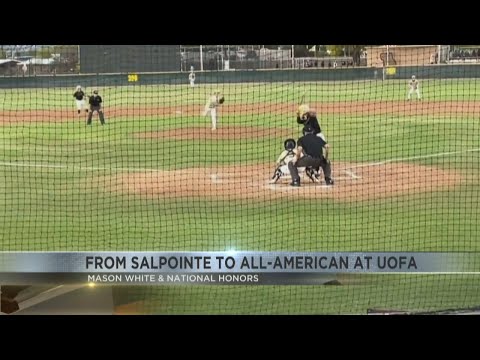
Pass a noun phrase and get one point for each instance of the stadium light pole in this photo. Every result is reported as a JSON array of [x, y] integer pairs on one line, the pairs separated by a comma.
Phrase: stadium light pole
[[388, 56], [293, 56], [386, 66]]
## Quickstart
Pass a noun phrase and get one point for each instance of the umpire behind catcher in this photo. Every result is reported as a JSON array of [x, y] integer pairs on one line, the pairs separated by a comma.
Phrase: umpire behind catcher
[[311, 146], [95, 102]]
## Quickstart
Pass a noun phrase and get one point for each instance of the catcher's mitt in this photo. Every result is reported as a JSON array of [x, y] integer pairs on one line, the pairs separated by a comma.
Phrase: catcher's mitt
[[222, 100]]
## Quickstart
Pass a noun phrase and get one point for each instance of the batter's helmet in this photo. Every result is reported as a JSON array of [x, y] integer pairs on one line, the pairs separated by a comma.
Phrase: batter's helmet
[[307, 129], [289, 144], [303, 109]]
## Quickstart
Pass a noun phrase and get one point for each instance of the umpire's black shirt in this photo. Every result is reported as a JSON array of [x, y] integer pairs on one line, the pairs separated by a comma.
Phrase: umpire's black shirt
[[312, 121], [312, 145], [95, 100]]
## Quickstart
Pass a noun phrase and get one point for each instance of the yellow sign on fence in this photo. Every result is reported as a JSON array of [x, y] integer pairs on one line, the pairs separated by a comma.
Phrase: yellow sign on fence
[[132, 77], [391, 71]]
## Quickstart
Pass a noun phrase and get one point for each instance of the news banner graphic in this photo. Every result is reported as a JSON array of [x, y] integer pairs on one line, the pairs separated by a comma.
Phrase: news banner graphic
[[220, 268]]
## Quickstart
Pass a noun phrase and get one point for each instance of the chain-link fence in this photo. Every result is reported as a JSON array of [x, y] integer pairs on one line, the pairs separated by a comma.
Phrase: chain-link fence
[[33, 60], [234, 57]]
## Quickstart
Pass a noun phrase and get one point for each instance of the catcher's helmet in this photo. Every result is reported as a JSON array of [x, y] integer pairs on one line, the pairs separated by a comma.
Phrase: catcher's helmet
[[307, 129], [289, 144]]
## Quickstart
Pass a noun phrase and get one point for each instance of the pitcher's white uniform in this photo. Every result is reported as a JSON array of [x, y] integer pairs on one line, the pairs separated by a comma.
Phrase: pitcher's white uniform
[[414, 87], [191, 78], [211, 108]]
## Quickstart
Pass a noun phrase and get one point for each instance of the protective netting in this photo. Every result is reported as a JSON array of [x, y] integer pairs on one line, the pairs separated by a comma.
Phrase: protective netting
[[172, 169]]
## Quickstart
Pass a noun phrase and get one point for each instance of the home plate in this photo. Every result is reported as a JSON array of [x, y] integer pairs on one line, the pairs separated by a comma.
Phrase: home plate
[[287, 187], [352, 174]]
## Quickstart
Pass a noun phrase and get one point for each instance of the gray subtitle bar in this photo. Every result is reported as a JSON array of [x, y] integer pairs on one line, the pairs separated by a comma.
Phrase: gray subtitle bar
[[237, 262]]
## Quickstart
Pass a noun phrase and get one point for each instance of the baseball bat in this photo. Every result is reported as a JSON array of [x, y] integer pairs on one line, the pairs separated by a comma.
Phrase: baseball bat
[[303, 98]]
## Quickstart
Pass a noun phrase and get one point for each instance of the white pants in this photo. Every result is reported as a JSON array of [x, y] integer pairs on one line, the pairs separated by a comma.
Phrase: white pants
[[284, 170], [80, 104], [416, 91], [213, 115], [192, 83]]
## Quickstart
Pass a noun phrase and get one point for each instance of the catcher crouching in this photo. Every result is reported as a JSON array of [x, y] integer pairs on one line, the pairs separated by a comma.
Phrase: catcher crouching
[[281, 165]]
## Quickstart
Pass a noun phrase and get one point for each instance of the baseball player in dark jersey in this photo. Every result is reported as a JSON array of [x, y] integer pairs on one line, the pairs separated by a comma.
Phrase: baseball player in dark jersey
[[79, 96], [307, 116], [95, 102], [315, 154]]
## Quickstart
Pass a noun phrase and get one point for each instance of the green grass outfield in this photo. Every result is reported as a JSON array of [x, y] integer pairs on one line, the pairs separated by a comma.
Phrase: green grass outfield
[[54, 198], [244, 93]]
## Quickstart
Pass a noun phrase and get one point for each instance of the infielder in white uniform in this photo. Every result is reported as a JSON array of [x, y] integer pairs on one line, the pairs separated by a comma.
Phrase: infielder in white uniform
[[191, 78], [414, 87], [211, 106]]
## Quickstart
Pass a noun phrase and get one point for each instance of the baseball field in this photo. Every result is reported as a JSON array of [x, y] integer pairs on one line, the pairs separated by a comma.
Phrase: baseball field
[[407, 178]]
